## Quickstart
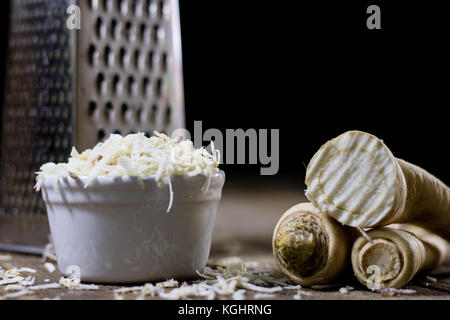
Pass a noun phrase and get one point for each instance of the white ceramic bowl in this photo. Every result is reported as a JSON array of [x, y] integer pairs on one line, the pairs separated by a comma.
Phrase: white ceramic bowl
[[117, 229]]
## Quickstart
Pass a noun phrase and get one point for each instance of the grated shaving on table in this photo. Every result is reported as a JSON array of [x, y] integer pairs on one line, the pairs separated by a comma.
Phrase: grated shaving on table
[[136, 155], [73, 282], [390, 292], [50, 267], [229, 277], [346, 289], [18, 284]]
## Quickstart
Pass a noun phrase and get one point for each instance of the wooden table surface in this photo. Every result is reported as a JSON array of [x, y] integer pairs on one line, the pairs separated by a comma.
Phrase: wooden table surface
[[245, 221]]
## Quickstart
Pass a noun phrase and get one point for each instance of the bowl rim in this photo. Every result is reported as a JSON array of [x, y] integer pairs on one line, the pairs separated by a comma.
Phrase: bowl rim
[[102, 180]]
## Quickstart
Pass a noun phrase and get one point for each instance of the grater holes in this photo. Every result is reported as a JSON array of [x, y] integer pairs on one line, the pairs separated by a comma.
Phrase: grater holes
[[139, 112], [150, 58], [61, 157], [100, 28], [167, 115], [165, 11], [57, 143], [93, 4], [152, 9], [164, 62], [117, 131], [107, 5], [137, 7], [108, 56], [125, 111], [109, 111], [122, 6], [115, 29], [61, 97], [155, 33], [131, 86], [65, 112], [139, 62], [130, 31], [158, 87], [153, 113], [124, 57], [65, 142], [101, 134], [117, 85], [92, 108], [158, 34], [101, 84], [146, 86], [144, 33], [159, 9]]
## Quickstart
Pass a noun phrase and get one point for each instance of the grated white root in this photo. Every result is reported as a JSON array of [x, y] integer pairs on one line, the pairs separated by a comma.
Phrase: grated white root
[[74, 283], [136, 155], [300, 294], [346, 289], [390, 292], [168, 284], [264, 296], [229, 277], [50, 267], [17, 284]]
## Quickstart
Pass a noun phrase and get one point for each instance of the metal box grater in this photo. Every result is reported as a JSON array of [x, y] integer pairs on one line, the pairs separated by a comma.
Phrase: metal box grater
[[120, 73]]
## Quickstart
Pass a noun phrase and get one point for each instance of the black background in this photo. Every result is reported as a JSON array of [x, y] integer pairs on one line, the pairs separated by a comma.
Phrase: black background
[[313, 70]]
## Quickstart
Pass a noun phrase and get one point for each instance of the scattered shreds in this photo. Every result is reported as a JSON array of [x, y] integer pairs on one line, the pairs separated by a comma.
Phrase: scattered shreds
[[74, 283], [168, 284], [45, 286], [249, 286], [390, 292], [431, 279], [300, 293], [239, 295], [136, 155], [264, 296], [17, 285], [50, 267], [14, 287], [227, 277], [346, 289], [296, 287], [16, 294], [343, 290], [304, 293]]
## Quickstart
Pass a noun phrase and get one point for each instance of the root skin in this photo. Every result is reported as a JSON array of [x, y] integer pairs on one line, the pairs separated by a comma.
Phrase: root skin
[[412, 249], [339, 239], [356, 179]]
